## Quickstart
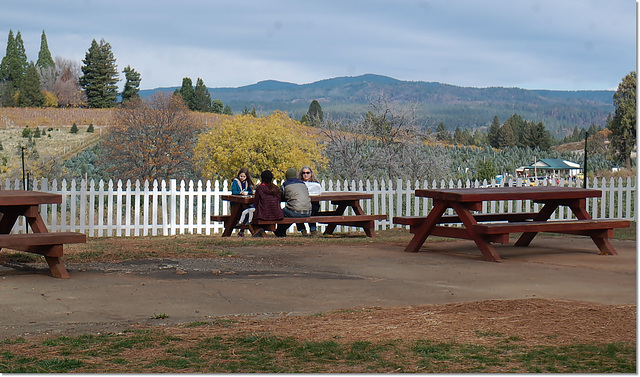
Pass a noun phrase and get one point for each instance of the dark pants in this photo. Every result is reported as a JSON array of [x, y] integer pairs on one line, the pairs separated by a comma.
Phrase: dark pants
[[281, 230], [315, 208]]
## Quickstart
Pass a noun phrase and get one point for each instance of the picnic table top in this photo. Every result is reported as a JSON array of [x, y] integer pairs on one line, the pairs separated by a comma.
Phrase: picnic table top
[[508, 193], [327, 195], [25, 197]]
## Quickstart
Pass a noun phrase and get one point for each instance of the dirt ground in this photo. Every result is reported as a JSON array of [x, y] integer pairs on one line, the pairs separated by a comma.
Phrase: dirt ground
[[557, 291]]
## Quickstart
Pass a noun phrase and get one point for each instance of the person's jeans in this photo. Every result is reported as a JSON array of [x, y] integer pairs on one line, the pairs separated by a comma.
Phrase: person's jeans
[[315, 208], [281, 230]]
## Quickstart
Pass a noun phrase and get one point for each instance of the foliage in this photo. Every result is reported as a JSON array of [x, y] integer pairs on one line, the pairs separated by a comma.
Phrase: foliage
[[74, 129], [274, 142], [199, 98], [85, 164], [314, 116], [385, 143], [132, 84], [100, 75], [623, 124], [29, 94], [44, 55], [67, 85], [90, 129], [153, 139]]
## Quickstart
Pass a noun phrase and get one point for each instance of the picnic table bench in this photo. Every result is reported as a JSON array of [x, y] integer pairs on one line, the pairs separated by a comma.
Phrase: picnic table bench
[[15, 203], [496, 227], [343, 201]]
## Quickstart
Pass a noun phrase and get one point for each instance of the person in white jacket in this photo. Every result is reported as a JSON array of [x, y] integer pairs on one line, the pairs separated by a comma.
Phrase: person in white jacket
[[309, 178]]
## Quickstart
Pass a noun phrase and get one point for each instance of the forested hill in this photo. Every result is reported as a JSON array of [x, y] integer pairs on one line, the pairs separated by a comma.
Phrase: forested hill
[[454, 106]]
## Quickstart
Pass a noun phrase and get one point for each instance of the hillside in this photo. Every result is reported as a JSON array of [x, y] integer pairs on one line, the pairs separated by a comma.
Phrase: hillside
[[455, 106]]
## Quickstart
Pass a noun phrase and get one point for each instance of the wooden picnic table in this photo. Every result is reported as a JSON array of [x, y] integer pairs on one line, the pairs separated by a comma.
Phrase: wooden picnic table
[[342, 199], [484, 229], [15, 203]]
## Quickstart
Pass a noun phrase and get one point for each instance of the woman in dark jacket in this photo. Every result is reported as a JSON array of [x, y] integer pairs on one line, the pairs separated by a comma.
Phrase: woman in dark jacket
[[267, 202]]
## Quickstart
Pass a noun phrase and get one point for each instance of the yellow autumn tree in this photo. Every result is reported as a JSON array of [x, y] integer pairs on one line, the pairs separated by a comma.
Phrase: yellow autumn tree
[[275, 142]]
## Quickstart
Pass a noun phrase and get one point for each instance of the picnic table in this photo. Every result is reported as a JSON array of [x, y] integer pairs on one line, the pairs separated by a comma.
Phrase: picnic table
[[15, 203], [484, 229], [342, 199]]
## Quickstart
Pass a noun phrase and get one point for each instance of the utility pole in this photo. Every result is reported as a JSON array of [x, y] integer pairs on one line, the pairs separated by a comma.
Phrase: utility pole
[[584, 169]]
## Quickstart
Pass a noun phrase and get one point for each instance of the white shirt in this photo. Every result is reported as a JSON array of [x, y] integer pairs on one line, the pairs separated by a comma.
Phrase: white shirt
[[314, 188]]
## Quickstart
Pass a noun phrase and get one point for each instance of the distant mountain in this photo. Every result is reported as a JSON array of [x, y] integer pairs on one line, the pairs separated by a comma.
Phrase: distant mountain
[[464, 107]]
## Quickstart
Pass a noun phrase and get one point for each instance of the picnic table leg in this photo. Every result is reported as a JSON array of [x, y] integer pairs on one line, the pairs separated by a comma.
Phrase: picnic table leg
[[481, 241], [544, 214], [604, 245], [234, 217], [342, 206], [56, 265], [426, 227]]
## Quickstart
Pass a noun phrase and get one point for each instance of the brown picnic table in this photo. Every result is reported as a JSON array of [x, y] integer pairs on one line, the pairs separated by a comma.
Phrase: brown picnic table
[[342, 199], [484, 229], [15, 203]]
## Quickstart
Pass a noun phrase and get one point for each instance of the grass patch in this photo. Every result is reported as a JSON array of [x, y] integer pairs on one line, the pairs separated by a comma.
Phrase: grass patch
[[159, 352]]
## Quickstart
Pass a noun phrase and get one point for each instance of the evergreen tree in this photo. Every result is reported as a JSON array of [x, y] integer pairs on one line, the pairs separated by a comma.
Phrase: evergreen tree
[[74, 128], [30, 94], [442, 134], [315, 116], [100, 76], [494, 133], [536, 135], [217, 106], [132, 84], [90, 129], [517, 125], [507, 137], [227, 110], [13, 68], [44, 55], [187, 92], [623, 123], [201, 97]]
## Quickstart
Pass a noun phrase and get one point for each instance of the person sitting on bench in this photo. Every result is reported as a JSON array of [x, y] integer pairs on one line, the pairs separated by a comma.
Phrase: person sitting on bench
[[296, 196]]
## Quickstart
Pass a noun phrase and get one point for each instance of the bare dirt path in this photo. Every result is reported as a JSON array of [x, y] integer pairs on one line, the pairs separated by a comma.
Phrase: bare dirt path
[[558, 286]]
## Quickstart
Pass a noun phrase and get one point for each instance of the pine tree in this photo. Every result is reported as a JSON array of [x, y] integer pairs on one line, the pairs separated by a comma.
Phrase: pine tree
[[44, 56], [90, 129], [74, 128], [132, 84], [494, 133], [187, 93], [227, 110], [100, 76], [46, 66], [13, 68], [30, 94], [201, 97], [315, 115], [623, 124]]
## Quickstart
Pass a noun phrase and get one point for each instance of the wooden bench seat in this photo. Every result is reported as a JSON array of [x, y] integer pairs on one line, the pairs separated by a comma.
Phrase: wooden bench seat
[[583, 227], [39, 242], [222, 218], [453, 219], [50, 245], [338, 220]]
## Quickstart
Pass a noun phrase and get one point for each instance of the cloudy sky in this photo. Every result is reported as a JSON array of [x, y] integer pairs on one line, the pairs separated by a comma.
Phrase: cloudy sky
[[532, 44]]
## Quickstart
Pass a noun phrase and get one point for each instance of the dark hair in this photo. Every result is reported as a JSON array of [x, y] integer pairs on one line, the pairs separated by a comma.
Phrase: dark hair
[[266, 177], [246, 172]]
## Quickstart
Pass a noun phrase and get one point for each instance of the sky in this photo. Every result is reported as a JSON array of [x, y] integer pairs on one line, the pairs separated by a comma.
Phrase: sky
[[530, 44]]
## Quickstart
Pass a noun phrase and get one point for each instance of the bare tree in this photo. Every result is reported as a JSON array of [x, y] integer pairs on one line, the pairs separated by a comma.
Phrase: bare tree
[[384, 143], [154, 139], [66, 86]]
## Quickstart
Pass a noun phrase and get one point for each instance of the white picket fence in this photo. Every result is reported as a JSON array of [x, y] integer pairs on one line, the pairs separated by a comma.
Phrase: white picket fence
[[121, 209]]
